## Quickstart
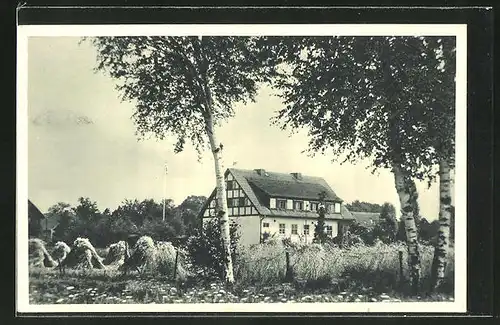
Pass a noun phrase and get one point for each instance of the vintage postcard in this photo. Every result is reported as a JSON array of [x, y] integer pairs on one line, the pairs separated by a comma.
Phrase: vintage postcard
[[241, 168]]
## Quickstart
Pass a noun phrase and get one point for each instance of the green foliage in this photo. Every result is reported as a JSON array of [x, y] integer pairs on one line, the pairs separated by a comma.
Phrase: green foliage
[[189, 210], [131, 217], [364, 234], [371, 97], [428, 232], [320, 235], [386, 229], [364, 207], [205, 248]]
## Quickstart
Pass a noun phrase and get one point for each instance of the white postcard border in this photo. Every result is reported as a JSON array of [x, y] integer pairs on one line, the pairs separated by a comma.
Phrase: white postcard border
[[460, 31]]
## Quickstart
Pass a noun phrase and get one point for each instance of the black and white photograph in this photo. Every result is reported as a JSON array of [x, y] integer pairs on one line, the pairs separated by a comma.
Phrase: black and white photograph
[[239, 168]]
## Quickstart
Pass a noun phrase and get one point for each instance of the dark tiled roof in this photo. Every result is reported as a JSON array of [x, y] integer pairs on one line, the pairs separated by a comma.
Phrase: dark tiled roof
[[259, 188], [366, 219], [286, 185], [34, 212]]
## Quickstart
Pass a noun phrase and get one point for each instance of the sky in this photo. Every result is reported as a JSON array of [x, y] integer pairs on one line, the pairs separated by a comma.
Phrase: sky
[[82, 143]]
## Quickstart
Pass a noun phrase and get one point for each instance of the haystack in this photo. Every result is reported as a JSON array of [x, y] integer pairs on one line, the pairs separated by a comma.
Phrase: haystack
[[83, 256], [38, 254], [166, 259], [143, 256], [117, 253], [61, 251]]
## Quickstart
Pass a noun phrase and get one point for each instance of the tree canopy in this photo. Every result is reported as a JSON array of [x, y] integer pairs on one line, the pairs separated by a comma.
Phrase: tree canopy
[[381, 98], [174, 80]]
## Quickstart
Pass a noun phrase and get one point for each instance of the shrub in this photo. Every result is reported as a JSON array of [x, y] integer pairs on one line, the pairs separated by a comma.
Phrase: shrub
[[205, 248]]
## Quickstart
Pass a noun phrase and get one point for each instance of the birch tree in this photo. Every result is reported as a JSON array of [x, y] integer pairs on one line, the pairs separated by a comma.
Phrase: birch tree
[[185, 87], [361, 98], [441, 136]]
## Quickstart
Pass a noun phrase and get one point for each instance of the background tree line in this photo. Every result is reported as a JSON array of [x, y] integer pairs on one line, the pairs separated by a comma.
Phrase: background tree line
[[131, 217], [389, 229]]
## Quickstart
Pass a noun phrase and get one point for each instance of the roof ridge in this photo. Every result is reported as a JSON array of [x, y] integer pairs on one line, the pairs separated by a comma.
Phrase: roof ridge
[[274, 172]]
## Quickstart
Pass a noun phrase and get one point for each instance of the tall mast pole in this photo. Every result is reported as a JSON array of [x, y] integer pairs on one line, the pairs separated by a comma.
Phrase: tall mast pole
[[164, 189]]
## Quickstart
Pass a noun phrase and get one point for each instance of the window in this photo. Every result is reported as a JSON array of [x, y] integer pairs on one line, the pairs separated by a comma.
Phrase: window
[[235, 202], [314, 206], [329, 231], [242, 202], [265, 225], [281, 204], [282, 228], [306, 229], [298, 205], [229, 185], [229, 203], [337, 207], [294, 229]]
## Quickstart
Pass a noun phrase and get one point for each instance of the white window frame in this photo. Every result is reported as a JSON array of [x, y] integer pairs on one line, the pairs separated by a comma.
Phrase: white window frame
[[298, 202], [337, 208], [278, 201], [282, 228]]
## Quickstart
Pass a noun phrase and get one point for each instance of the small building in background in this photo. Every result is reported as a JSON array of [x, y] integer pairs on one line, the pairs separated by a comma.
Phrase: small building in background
[[366, 219], [284, 205], [35, 221]]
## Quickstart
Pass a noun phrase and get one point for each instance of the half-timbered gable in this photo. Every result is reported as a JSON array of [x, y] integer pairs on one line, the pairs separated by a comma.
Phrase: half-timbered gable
[[278, 203]]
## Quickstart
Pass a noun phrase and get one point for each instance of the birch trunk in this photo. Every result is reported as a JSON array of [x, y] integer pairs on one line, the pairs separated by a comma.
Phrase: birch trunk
[[403, 185], [221, 207], [443, 240]]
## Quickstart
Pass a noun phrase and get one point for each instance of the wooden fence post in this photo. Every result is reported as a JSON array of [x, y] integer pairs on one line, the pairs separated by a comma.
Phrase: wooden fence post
[[175, 264], [288, 274]]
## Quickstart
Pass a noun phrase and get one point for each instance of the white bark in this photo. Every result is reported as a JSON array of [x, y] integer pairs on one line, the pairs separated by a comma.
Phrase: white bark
[[221, 207], [403, 190], [443, 240]]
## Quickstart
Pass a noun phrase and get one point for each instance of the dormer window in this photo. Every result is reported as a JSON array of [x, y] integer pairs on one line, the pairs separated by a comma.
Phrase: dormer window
[[280, 204], [298, 205], [314, 206]]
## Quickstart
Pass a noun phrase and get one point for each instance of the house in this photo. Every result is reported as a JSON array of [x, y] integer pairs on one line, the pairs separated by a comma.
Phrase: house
[[279, 204], [366, 219], [35, 220]]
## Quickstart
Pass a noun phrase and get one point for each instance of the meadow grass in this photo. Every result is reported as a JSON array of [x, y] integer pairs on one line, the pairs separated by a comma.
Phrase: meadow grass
[[320, 273], [369, 266]]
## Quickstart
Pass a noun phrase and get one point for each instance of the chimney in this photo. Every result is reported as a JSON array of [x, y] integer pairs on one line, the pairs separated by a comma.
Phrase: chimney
[[297, 176], [261, 172]]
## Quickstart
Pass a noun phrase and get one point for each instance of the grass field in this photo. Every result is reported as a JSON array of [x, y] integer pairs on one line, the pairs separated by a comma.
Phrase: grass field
[[321, 273]]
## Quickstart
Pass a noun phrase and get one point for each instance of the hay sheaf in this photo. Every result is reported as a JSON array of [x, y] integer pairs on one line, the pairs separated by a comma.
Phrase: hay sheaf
[[117, 253], [38, 254], [148, 256], [83, 256], [143, 257], [60, 251]]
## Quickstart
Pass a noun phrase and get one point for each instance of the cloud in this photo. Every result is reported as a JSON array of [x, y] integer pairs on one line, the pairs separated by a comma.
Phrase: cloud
[[60, 118]]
